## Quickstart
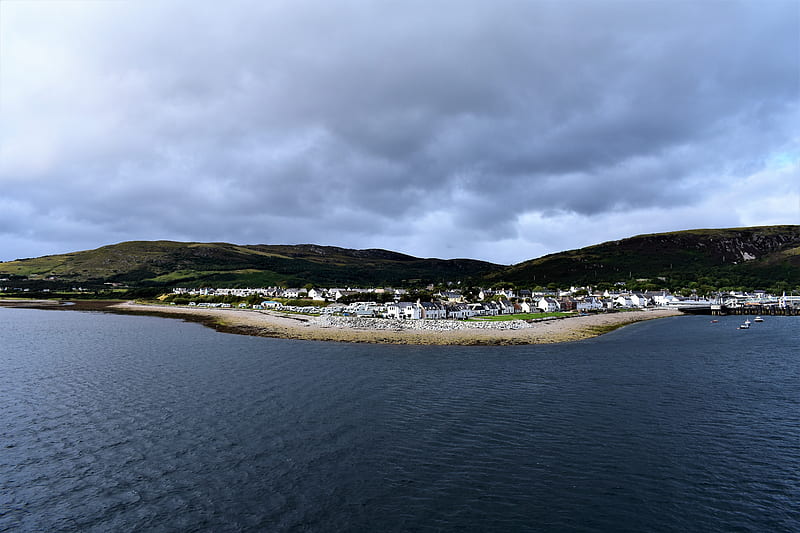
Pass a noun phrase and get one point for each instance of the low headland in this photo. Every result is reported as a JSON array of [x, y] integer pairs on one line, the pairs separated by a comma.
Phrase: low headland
[[266, 323]]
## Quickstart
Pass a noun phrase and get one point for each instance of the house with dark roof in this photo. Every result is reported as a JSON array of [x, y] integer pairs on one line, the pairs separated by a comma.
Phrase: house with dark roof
[[548, 305], [433, 310], [404, 310]]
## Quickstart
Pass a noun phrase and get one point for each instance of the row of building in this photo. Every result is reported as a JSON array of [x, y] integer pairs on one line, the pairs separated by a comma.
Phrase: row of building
[[454, 304], [317, 294]]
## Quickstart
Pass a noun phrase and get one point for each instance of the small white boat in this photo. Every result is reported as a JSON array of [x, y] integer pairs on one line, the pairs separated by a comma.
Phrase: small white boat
[[758, 319], [746, 325]]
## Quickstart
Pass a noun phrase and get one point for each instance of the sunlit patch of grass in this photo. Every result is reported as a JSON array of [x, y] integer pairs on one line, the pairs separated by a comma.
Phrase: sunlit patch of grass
[[522, 316]]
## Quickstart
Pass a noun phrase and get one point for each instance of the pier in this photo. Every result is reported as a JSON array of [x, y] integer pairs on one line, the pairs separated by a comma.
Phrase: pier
[[758, 309], [769, 305]]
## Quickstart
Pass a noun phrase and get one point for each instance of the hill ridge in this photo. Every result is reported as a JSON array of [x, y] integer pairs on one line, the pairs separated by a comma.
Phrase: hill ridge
[[747, 254], [166, 263], [744, 256]]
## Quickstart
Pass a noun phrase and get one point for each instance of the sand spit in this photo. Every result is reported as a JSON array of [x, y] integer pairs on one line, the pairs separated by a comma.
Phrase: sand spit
[[30, 303], [385, 331]]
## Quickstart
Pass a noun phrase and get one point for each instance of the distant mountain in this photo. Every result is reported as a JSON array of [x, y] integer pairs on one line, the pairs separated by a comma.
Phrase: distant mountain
[[168, 263], [755, 256], [738, 257]]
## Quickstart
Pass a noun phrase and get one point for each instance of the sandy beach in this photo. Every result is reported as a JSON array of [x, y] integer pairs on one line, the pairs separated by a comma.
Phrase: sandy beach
[[291, 326]]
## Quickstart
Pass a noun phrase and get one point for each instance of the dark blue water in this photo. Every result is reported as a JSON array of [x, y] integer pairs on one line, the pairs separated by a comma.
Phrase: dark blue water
[[123, 423]]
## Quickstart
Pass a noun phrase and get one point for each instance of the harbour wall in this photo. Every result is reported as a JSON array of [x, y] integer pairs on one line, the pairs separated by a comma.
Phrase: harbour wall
[[764, 310]]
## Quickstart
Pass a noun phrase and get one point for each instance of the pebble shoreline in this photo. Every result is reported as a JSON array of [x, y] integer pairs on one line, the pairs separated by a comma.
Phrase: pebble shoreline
[[416, 325], [392, 331]]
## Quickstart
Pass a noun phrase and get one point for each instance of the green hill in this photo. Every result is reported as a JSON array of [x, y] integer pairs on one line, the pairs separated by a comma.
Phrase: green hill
[[758, 257], [734, 257], [168, 263]]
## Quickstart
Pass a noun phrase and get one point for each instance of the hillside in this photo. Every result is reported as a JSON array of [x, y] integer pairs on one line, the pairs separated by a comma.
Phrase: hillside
[[756, 256], [168, 263], [762, 257]]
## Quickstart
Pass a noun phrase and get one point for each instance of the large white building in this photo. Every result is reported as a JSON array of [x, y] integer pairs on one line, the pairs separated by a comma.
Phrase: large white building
[[404, 310], [549, 305]]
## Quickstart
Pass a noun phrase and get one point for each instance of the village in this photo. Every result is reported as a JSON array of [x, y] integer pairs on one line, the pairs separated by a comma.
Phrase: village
[[455, 305]]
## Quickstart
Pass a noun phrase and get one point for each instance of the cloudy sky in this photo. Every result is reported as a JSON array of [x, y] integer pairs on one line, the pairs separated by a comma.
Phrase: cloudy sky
[[499, 130]]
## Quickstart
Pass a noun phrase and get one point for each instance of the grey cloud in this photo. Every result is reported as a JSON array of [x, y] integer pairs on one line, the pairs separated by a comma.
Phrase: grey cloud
[[307, 118]]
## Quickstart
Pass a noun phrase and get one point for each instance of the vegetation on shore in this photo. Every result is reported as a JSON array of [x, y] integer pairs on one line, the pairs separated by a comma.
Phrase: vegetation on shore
[[522, 316]]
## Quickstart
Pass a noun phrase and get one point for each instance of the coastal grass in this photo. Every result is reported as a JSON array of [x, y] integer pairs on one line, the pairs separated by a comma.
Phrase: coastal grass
[[605, 328], [3, 297], [522, 316]]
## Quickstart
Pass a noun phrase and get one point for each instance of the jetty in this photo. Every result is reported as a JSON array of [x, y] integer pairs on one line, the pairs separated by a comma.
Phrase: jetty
[[772, 305]]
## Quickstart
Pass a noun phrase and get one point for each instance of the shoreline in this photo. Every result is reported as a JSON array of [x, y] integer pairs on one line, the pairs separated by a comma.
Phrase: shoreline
[[276, 324]]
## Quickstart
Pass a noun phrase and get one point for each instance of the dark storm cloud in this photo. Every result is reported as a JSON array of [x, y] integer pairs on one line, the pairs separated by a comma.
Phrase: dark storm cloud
[[379, 124]]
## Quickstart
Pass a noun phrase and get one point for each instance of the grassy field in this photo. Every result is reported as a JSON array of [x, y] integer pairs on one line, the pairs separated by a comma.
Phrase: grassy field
[[521, 316]]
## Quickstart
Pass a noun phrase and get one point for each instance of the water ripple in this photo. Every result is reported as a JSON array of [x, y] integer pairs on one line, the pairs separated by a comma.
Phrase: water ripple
[[135, 423]]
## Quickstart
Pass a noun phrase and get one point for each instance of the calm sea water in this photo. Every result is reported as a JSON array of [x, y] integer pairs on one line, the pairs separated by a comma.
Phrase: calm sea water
[[125, 423]]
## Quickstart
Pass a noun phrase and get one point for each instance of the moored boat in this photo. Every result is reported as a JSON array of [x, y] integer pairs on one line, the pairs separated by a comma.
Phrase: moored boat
[[758, 319]]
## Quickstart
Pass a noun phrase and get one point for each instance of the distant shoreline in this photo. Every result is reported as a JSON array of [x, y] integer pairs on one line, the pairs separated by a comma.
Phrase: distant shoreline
[[376, 331]]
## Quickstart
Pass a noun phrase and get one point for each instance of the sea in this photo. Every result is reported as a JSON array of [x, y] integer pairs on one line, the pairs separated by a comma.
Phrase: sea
[[132, 423]]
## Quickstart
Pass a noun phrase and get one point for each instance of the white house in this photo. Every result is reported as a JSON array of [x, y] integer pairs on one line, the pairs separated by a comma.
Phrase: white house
[[291, 293], [624, 301], [393, 310], [483, 309], [316, 294], [432, 310], [639, 300], [493, 308], [664, 299], [457, 311], [452, 296], [333, 294], [589, 304], [461, 310], [404, 310], [506, 307], [548, 305]]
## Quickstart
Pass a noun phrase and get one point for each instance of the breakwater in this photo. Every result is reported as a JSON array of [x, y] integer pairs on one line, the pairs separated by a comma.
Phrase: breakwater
[[770, 310]]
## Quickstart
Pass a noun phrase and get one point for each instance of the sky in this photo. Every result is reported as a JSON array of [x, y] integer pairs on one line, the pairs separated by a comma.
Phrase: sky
[[501, 131]]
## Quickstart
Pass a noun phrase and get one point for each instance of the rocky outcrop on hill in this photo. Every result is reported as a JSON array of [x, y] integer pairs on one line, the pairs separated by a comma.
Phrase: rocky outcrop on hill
[[724, 246]]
